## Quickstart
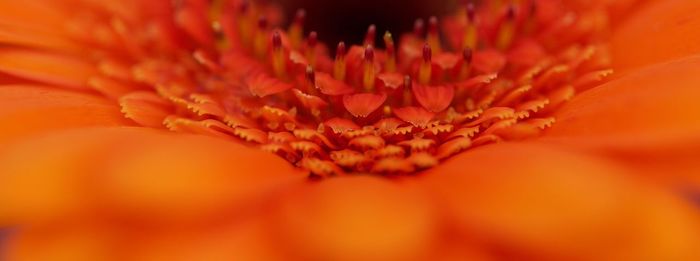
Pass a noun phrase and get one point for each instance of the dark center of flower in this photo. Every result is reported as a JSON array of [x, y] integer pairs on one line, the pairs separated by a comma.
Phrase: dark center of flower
[[337, 21], [483, 74]]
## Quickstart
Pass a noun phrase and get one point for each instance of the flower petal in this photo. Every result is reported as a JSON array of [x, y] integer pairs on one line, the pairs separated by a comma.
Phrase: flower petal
[[87, 240], [355, 218], [434, 98], [46, 67], [61, 242], [242, 240], [649, 117], [660, 31], [533, 202], [22, 37], [45, 15], [363, 104], [27, 109], [134, 172]]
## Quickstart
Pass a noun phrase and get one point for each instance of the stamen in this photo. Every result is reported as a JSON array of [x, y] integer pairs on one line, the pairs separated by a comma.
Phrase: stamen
[[471, 13], [371, 35], [369, 76], [245, 23], [390, 64], [466, 65], [434, 34], [531, 22], [311, 43], [311, 80], [470, 32], [339, 64], [278, 61], [425, 71], [260, 39], [506, 32], [419, 28], [407, 91], [296, 29]]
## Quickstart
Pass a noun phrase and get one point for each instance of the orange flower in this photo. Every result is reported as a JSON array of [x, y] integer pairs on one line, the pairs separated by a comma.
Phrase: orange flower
[[164, 130]]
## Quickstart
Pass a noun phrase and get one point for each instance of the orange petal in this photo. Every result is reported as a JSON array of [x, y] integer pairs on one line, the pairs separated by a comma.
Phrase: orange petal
[[330, 86], [660, 31], [434, 98], [248, 240], [37, 15], [83, 240], [262, 85], [363, 104], [649, 117], [391, 81], [145, 108], [137, 173], [26, 110], [417, 116], [355, 218], [61, 242], [489, 61], [23, 37], [45, 67], [533, 202]]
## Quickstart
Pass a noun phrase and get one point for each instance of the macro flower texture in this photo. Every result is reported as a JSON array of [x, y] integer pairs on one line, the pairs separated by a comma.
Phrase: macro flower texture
[[232, 130]]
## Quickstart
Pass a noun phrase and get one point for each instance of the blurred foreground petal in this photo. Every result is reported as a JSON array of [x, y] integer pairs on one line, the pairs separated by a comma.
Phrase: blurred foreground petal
[[136, 173], [356, 218], [28, 109], [649, 118], [657, 32], [528, 201]]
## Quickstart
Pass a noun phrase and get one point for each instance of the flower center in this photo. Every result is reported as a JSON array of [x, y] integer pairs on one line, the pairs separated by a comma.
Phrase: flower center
[[484, 74]]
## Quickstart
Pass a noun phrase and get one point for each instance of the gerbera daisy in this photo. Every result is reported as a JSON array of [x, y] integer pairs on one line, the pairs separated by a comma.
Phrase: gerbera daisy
[[232, 130]]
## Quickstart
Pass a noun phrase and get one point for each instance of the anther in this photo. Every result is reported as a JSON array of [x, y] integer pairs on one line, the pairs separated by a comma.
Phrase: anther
[[311, 43], [310, 74], [390, 64], [471, 13], [470, 34], [244, 6], [419, 28], [262, 23], [468, 55], [433, 25], [425, 70], [278, 61], [510, 12], [434, 34], [246, 24], [369, 53], [371, 35], [340, 51], [311, 80], [312, 40], [297, 28], [339, 64], [276, 40], [427, 53], [300, 17], [506, 32], [260, 39], [407, 90], [531, 21], [465, 69], [368, 78]]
